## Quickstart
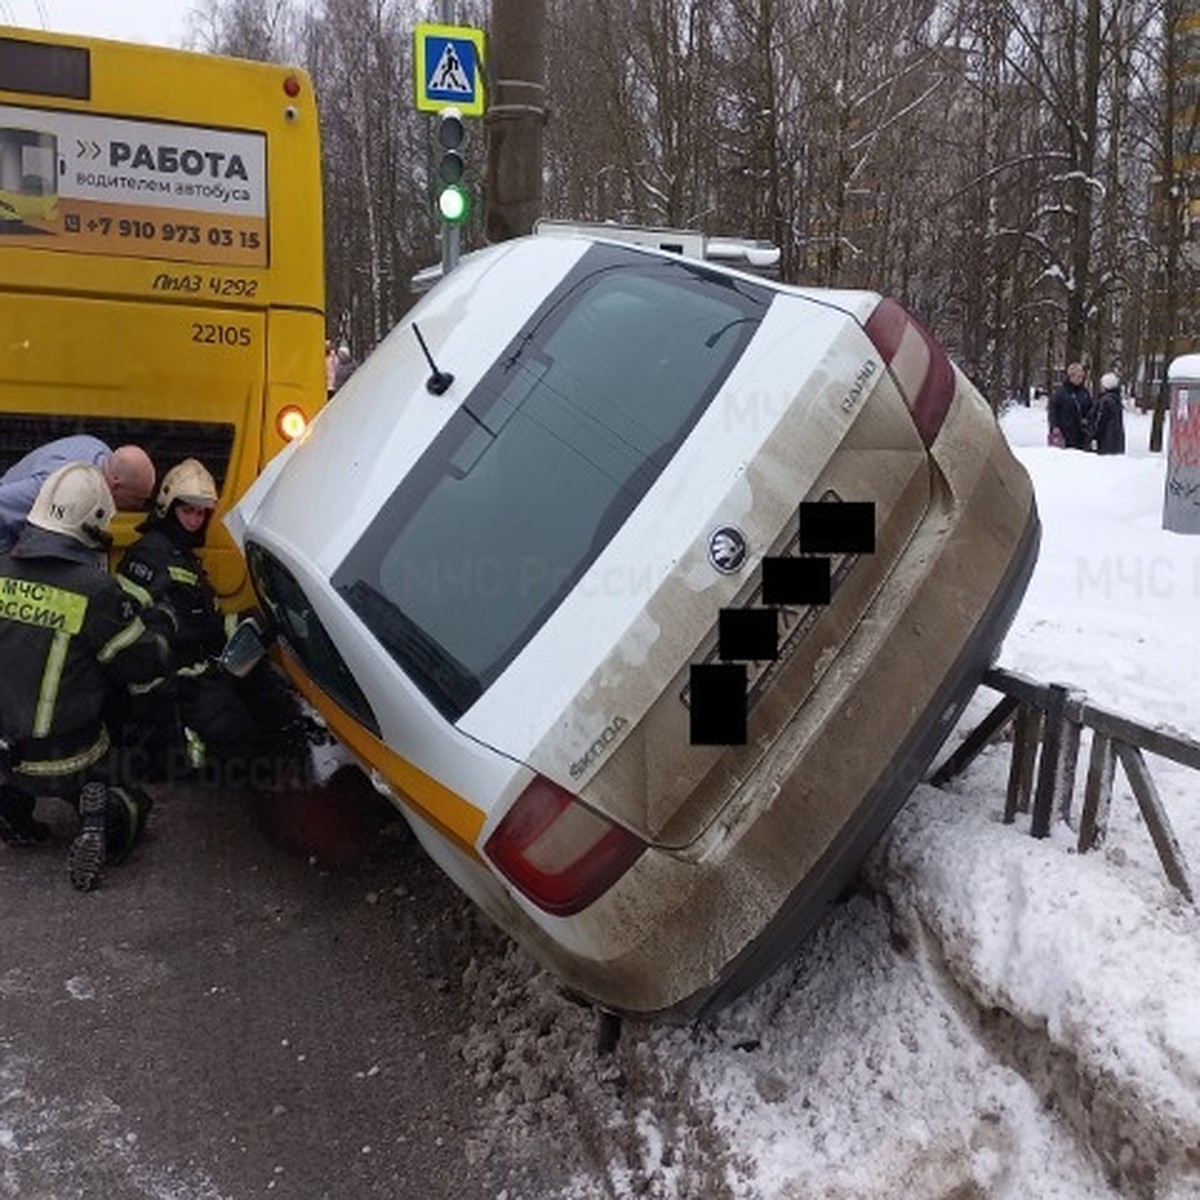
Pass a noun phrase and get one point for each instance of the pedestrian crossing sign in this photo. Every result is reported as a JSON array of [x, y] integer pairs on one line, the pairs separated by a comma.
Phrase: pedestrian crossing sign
[[448, 68]]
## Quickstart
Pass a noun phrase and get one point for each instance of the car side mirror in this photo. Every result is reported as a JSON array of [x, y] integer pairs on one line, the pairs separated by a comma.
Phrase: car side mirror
[[245, 648]]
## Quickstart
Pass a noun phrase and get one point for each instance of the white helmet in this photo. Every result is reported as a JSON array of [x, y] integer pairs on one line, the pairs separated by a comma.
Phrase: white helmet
[[189, 482], [75, 500], [1109, 381]]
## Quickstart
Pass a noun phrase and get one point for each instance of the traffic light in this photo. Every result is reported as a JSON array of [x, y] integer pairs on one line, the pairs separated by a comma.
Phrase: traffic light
[[452, 195]]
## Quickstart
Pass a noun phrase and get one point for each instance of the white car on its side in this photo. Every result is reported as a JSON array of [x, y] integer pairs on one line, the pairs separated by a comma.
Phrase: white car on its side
[[648, 590]]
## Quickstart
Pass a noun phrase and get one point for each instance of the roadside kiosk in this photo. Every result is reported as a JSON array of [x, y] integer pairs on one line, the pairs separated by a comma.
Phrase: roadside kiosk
[[1181, 499]]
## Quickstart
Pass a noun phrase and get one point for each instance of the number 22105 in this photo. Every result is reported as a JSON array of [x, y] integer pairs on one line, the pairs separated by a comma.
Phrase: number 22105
[[220, 335]]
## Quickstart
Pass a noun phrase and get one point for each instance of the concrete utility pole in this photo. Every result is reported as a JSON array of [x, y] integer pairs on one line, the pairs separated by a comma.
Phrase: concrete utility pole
[[451, 235], [515, 115]]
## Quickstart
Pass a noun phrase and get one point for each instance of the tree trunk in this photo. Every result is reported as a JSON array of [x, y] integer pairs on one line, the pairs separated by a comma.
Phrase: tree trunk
[[1083, 187]]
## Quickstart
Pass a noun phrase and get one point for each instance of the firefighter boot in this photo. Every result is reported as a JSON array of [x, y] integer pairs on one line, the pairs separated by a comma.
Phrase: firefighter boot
[[86, 858]]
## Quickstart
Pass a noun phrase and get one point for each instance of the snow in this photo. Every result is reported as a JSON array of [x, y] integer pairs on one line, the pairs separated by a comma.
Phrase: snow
[[990, 1015], [987, 1017]]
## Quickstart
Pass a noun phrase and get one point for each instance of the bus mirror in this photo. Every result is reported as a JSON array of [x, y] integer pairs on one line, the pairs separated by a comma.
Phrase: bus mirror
[[244, 649]]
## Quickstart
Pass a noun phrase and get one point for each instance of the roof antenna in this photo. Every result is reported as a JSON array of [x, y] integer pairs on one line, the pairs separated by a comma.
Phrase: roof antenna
[[439, 381]]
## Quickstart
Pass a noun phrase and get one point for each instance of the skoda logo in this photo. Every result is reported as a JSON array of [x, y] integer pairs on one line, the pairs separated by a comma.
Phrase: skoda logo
[[727, 549]]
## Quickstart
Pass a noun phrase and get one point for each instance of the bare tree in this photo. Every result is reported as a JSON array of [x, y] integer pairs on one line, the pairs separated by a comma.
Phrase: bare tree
[[1174, 124], [257, 29], [990, 162]]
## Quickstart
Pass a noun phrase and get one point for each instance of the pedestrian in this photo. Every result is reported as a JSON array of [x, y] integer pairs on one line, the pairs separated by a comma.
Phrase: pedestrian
[[1108, 426], [223, 719], [346, 366], [1070, 410], [127, 470], [69, 638], [330, 369]]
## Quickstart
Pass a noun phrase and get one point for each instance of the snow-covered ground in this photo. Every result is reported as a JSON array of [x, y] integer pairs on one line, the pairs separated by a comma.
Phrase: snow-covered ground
[[991, 1016]]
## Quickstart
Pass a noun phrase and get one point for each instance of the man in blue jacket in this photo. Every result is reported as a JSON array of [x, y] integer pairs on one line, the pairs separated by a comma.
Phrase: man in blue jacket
[[128, 472]]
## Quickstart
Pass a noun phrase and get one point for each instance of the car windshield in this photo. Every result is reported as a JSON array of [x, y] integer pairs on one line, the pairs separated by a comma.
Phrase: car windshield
[[293, 617], [542, 463]]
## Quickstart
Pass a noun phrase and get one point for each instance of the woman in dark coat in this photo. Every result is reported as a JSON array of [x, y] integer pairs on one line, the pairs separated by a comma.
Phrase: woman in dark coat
[[1108, 425], [1070, 410]]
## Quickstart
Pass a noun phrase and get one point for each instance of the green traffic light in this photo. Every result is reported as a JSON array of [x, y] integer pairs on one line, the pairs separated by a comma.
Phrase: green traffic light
[[452, 204]]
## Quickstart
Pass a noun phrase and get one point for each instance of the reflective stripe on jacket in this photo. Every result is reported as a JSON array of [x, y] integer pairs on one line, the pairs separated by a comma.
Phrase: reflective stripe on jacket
[[156, 570], [68, 635]]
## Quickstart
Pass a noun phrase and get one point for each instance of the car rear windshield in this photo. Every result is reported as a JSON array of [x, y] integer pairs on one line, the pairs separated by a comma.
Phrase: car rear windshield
[[542, 463]]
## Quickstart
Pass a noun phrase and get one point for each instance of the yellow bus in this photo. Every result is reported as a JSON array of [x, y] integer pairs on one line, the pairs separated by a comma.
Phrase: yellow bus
[[161, 260]]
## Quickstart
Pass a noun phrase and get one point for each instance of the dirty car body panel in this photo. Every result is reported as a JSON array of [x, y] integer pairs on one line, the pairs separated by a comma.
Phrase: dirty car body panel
[[507, 598]]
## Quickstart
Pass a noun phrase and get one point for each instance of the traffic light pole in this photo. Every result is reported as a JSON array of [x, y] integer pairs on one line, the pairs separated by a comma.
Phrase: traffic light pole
[[451, 238], [451, 246]]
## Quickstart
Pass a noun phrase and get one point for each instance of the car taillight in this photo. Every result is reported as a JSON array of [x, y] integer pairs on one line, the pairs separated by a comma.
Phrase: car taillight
[[559, 853], [918, 363]]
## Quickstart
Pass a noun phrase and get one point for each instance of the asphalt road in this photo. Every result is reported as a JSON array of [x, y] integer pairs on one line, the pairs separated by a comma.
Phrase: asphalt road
[[256, 1003]]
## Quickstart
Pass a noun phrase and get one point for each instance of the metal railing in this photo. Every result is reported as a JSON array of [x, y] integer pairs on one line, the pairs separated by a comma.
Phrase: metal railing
[[1051, 717]]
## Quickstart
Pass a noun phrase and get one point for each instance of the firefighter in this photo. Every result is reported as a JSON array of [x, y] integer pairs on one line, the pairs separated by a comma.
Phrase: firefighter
[[69, 636], [224, 720]]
